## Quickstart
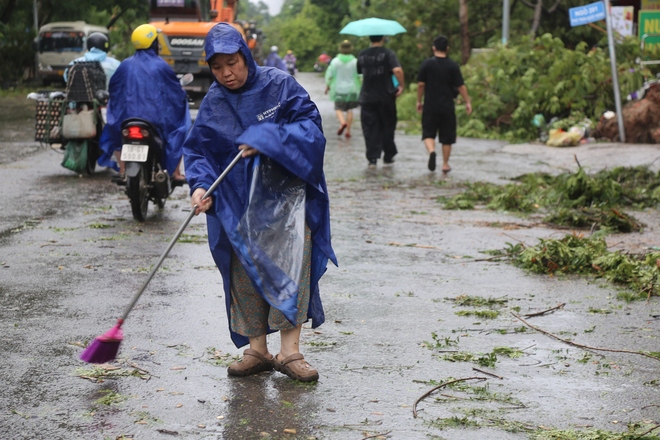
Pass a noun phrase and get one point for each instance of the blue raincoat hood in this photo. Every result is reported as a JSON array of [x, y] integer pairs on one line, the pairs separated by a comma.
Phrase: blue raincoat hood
[[223, 38], [273, 113]]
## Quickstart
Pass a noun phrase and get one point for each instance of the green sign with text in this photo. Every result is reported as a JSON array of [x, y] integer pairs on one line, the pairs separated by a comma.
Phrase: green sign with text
[[649, 27]]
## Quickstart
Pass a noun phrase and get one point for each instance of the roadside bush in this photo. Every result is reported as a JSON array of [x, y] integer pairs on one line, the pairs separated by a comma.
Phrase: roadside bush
[[15, 45], [406, 108], [510, 84]]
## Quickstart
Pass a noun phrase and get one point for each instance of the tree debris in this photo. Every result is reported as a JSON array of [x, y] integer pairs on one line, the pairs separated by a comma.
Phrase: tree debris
[[543, 312], [586, 347], [429, 392]]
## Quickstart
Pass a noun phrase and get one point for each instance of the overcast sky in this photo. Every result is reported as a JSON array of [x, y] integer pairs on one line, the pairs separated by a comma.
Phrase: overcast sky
[[274, 6]]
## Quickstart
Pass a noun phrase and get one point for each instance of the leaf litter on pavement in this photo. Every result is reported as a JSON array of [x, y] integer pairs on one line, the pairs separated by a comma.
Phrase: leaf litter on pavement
[[569, 200]]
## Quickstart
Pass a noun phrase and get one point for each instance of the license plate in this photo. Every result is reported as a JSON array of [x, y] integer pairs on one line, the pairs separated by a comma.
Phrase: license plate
[[134, 153]]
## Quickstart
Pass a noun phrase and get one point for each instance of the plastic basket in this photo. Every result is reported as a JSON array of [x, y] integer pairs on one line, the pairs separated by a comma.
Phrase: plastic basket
[[85, 78], [48, 116]]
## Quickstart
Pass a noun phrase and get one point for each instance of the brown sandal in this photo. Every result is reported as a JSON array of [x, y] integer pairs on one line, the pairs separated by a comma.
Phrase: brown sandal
[[251, 363], [296, 368]]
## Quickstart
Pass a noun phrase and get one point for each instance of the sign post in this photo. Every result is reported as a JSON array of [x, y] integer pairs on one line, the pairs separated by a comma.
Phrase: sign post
[[595, 12], [615, 75]]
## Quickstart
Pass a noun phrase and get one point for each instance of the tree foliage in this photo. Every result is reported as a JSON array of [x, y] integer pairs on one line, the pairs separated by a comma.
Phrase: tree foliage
[[548, 66], [510, 84]]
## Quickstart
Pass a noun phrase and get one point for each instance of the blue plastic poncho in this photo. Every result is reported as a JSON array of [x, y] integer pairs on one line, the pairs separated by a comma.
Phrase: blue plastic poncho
[[275, 115], [108, 63], [144, 86], [274, 60]]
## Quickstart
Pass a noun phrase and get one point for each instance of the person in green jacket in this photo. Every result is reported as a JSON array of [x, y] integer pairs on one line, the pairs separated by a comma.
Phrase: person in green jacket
[[343, 83]]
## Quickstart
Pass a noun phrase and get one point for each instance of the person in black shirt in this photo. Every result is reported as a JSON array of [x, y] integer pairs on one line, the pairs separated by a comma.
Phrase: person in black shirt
[[379, 66], [439, 81]]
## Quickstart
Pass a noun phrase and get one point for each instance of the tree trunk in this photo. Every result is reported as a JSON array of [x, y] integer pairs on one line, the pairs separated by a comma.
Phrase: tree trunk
[[538, 10], [465, 36], [5, 16]]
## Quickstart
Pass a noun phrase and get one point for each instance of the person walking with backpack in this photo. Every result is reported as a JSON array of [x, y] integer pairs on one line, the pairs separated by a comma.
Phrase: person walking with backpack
[[439, 81], [379, 66]]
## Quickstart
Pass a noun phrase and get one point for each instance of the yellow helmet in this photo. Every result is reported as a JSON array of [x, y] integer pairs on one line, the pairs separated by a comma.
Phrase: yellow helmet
[[143, 36]]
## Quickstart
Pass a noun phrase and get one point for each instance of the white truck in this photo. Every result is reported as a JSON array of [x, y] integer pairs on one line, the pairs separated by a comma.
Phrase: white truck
[[59, 43]]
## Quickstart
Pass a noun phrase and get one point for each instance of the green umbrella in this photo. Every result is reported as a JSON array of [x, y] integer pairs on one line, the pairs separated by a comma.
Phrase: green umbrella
[[373, 26]]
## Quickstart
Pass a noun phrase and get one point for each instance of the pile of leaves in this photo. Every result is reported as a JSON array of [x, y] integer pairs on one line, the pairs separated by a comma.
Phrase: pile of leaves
[[575, 200], [576, 254]]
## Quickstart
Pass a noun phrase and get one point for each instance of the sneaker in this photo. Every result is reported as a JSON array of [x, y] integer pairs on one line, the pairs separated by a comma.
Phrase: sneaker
[[388, 162], [372, 163], [432, 161]]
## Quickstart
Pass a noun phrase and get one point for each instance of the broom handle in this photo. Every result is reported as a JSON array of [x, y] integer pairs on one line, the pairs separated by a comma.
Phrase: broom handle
[[177, 235]]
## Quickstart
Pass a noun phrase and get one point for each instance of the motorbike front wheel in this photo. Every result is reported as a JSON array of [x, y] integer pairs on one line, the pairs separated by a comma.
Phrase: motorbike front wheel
[[138, 192]]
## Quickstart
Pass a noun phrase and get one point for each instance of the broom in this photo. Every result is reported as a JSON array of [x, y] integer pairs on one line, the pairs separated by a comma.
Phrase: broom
[[104, 348]]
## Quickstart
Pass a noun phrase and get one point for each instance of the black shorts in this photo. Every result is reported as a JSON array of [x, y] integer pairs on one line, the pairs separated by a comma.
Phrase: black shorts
[[345, 105], [441, 124]]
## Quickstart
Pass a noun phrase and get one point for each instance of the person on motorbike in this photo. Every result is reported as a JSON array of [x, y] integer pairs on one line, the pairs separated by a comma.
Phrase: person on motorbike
[[290, 62], [274, 60], [145, 86], [98, 45]]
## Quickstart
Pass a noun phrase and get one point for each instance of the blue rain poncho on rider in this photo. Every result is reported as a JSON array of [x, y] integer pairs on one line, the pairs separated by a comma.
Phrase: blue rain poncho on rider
[[272, 113], [144, 86]]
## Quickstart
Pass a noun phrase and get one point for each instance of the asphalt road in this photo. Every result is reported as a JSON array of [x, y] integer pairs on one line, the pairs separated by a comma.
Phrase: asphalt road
[[71, 258]]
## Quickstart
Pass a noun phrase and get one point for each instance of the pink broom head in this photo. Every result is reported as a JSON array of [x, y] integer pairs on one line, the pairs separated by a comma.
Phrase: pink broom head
[[104, 348]]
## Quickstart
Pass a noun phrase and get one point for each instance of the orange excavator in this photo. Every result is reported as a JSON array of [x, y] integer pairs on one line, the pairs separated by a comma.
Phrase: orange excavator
[[183, 25]]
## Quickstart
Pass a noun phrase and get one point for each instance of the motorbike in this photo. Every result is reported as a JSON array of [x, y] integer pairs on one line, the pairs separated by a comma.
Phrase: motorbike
[[74, 118], [291, 67], [142, 153]]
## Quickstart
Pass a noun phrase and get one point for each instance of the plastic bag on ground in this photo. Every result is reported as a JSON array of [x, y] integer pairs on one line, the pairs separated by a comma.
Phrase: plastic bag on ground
[[561, 138]]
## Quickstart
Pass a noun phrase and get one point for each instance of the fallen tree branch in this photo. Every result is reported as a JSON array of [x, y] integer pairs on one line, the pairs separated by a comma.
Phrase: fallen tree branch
[[649, 431], [487, 373], [140, 369], [587, 347], [543, 312], [376, 435], [510, 236], [426, 394], [494, 258]]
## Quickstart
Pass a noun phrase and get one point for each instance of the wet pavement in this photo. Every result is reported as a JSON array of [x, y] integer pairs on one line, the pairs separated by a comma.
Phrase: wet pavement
[[71, 258]]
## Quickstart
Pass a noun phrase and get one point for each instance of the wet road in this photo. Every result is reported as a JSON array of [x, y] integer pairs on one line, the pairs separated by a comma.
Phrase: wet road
[[71, 258]]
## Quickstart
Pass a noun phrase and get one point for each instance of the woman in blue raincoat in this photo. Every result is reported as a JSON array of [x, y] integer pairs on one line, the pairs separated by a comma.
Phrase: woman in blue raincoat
[[268, 222]]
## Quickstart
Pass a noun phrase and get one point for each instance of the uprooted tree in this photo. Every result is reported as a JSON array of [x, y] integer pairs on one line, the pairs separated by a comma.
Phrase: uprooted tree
[[641, 120]]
